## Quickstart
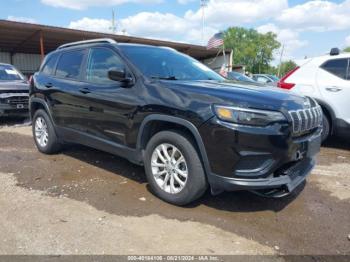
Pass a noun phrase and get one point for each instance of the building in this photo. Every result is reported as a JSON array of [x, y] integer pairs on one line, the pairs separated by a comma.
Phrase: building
[[25, 45]]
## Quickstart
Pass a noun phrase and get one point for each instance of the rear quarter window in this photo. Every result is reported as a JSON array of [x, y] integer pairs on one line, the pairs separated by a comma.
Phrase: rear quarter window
[[337, 67], [49, 66]]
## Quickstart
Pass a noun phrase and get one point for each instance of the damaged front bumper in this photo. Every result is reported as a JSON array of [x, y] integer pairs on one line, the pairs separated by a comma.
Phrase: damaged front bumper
[[14, 103]]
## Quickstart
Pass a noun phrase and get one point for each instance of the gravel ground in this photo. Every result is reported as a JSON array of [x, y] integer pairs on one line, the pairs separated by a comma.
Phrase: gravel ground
[[84, 201]]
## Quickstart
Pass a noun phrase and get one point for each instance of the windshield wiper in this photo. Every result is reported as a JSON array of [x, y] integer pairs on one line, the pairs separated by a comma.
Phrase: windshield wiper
[[164, 77]]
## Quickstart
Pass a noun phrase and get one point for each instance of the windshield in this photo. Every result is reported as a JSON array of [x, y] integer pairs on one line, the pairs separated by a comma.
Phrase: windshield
[[239, 77], [166, 63], [9, 73]]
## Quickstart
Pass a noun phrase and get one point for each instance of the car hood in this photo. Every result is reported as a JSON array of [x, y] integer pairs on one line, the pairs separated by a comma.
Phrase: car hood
[[241, 95], [14, 85]]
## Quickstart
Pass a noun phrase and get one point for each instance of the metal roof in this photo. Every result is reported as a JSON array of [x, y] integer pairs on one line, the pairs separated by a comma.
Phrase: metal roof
[[18, 37]]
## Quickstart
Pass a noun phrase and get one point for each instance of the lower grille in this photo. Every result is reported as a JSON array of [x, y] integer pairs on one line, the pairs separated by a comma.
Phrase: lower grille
[[295, 169], [306, 119], [17, 100]]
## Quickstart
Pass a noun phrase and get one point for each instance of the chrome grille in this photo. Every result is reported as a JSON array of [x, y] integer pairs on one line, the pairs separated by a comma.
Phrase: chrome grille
[[306, 119]]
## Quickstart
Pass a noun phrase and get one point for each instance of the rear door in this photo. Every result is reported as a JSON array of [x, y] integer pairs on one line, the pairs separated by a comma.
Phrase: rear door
[[69, 109], [333, 80]]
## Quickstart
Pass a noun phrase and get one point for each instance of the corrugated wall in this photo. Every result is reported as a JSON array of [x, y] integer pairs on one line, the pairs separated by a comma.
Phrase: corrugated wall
[[26, 63], [30, 63], [5, 58]]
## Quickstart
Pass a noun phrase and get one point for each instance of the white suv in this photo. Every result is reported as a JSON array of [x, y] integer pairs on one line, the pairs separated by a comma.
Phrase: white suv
[[327, 79]]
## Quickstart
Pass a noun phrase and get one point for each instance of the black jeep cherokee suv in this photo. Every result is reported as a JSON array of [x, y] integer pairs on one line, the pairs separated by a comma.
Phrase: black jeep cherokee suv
[[187, 125]]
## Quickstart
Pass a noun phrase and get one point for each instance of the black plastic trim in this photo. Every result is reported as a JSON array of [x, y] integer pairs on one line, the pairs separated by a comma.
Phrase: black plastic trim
[[41, 101], [220, 183], [171, 119], [75, 136]]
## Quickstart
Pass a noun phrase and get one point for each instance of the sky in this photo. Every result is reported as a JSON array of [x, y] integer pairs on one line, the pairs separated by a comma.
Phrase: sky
[[305, 28]]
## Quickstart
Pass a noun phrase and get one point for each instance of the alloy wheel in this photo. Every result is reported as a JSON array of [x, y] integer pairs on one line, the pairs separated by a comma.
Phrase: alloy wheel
[[169, 168], [41, 132]]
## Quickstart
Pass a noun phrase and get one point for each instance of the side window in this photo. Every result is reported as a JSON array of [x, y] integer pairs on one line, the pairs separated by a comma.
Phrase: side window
[[49, 67], [262, 79], [338, 67], [69, 64], [100, 61]]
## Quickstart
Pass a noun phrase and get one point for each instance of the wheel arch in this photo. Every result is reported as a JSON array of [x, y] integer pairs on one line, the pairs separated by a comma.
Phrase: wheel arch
[[38, 103], [327, 109], [168, 122]]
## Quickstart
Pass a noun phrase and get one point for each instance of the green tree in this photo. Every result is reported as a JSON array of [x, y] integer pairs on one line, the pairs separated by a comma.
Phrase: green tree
[[251, 48], [286, 66], [347, 49]]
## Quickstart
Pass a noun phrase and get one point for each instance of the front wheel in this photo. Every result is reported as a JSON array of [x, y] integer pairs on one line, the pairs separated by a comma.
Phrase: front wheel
[[174, 169]]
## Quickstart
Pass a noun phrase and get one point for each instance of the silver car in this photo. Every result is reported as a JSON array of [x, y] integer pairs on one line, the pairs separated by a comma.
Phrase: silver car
[[266, 79]]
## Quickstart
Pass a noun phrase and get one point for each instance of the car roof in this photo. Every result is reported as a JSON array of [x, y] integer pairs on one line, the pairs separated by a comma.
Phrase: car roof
[[321, 59]]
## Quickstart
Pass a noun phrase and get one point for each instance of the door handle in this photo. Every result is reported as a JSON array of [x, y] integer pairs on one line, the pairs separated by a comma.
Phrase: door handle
[[333, 89], [49, 85], [84, 90]]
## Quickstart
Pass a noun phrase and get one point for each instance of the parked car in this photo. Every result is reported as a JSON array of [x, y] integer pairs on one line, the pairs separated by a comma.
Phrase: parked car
[[183, 122], [327, 80], [266, 79], [14, 92], [242, 78]]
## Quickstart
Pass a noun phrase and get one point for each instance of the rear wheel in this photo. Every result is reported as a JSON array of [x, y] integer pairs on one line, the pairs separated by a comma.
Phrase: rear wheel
[[44, 134], [326, 128], [173, 168]]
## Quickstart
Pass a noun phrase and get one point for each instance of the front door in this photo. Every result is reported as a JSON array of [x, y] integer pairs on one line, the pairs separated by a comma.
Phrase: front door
[[111, 105]]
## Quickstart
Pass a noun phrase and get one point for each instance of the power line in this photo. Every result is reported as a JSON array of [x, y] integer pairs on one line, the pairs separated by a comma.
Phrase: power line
[[113, 26], [203, 4], [281, 56]]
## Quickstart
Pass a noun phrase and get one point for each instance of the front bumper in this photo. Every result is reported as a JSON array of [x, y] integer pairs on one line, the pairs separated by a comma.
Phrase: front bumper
[[283, 183], [14, 104], [244, 158]]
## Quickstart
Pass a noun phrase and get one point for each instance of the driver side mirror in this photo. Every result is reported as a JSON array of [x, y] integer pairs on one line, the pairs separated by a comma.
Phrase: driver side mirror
[[120, 76]]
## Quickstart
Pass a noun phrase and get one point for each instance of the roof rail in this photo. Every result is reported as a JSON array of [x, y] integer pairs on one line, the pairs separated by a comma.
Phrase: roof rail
[[92, 41]]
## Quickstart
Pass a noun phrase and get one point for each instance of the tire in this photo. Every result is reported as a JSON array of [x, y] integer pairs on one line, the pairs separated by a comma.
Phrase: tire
[[49, 143], [326, 128], [195, 183]]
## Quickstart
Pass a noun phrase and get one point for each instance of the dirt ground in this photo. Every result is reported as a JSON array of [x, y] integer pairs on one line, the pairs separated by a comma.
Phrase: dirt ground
[[83, 201]]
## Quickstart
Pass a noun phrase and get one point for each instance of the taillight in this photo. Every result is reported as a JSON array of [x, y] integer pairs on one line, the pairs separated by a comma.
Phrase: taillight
[[283, 84]]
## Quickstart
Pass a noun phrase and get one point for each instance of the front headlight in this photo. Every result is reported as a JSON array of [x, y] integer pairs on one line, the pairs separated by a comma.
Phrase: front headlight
[[246, 116]]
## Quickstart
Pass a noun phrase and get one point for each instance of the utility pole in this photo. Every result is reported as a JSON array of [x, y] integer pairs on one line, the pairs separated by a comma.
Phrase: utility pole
[[279, 66], [204, 4], [113, 27]]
